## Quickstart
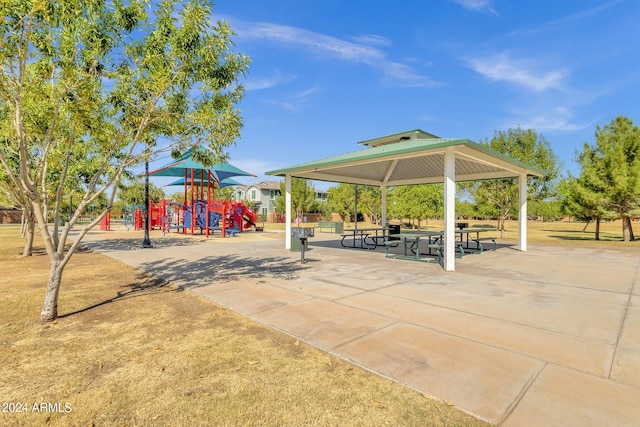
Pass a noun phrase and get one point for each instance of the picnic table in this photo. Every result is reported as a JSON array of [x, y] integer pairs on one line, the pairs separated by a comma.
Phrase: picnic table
[[435, 239], [464, 237], [411, 243], [357, 237]]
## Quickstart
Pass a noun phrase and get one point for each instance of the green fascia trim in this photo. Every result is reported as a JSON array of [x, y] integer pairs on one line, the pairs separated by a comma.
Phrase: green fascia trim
[[399, 148]]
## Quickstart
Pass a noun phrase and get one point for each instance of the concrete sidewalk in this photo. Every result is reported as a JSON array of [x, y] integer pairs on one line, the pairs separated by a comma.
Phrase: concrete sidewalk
[[546, 337]]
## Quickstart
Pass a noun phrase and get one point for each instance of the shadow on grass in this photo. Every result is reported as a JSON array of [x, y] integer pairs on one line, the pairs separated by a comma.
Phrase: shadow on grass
[[143, 285], [583, 236]]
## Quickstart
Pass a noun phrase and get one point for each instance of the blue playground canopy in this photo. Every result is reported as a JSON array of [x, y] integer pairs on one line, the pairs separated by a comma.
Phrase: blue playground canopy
[[188, 168], [222, 184]]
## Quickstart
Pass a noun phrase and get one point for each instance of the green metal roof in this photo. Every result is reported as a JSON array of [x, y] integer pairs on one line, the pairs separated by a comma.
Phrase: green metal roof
[[398, 137], [410, 161]]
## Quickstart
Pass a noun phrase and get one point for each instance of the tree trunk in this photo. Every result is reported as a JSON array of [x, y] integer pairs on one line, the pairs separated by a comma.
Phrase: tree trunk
[[28, 231], [28, 240], [50, 307], [585, 226], [627, 230], [598, 229], [501, 226]]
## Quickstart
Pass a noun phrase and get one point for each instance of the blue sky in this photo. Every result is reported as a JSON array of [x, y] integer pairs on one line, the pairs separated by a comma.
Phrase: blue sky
[[325, 75]]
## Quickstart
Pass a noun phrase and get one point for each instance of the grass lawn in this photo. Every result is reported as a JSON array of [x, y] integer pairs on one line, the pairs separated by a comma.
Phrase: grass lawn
[[560, 232], [131, 350]]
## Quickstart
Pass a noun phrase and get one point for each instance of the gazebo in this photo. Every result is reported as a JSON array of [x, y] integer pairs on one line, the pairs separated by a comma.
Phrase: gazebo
[[416, 157]]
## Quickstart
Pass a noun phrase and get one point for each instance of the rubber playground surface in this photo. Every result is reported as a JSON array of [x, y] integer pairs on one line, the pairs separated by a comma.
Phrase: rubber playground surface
[[550, 336]]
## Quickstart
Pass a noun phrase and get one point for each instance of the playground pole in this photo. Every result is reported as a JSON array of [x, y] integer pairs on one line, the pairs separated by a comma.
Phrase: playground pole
[[146, 243]]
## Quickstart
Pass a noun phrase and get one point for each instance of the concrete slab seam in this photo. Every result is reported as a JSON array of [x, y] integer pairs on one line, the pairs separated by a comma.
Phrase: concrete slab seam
[[507, 321], [624, 320], [525, 388]]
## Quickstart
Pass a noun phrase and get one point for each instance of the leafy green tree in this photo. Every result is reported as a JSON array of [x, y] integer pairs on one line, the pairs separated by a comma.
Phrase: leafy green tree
[[89, 87], [133, 192], [547, 210], [465, 209], [610, 176], [502, 195], [370, 202], [226, 193], [341, 200], [418, 202], [583, 201], [302, 197]]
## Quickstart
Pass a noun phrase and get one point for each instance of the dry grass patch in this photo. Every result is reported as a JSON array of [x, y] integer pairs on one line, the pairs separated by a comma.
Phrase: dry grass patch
[[131, 350]]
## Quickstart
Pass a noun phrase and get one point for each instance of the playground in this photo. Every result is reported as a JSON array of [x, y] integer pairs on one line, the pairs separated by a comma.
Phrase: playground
[[201, 217], [199, 212]]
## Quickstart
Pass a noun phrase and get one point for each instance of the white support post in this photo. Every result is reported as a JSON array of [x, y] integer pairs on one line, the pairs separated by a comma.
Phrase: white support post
[[522, 214], [383, 191], [449, 209], [287, 184]]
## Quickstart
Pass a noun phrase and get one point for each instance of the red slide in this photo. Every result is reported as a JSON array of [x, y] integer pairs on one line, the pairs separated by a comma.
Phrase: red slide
[[249, 216]]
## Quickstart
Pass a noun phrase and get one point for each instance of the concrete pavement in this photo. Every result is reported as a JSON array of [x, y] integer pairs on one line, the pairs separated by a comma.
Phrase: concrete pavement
[[546, 337]]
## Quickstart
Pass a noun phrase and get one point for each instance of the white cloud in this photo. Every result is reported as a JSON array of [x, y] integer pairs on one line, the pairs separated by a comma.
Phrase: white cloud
[[478, 5], [372, 39], [319, 43], [405, 76], [523, 73], [558, 119], [361, 52], [584, 14], [267, 82]]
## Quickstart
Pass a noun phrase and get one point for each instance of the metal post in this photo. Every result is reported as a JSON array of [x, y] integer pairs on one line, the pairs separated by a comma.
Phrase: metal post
[[146, 243], [303, 241], [355, 194]]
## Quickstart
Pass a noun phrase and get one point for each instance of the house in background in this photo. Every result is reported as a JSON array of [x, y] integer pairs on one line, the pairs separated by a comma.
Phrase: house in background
[[263, 196]]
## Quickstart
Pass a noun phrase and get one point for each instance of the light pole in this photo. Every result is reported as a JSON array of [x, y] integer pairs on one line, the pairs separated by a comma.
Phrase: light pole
[[146, 243]]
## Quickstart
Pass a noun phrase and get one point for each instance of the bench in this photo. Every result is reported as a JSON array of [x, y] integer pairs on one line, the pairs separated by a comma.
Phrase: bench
[[439, 247], [390, 244], [361, 237], [331, 225], [479, 241]]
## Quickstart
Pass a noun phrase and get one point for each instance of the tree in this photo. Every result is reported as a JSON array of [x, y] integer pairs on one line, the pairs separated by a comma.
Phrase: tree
[[582, 200], [90, 87], [370, 202], [610, 175], [528, 147], [341, 200], [226, 193], [418, 201], [302, 197], [547, 210], [133, 192]]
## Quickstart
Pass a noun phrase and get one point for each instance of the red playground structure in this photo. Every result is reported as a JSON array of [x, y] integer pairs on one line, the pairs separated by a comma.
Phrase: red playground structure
[[199, 209], [225, 216]]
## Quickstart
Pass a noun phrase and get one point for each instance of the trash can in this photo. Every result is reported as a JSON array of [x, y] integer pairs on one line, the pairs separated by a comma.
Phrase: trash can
[[394, 229], [339, 227]]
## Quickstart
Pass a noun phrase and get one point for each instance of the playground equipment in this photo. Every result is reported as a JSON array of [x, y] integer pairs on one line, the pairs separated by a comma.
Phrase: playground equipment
[[207, 217], [199, 209]]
